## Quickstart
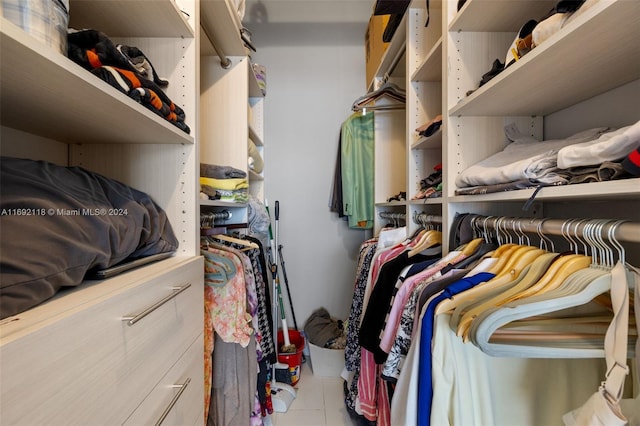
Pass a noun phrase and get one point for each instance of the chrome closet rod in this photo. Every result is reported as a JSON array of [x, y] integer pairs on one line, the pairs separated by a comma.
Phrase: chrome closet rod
[[208, 219], [626, 231], [392, 215], [394, 62], [425, 219], [225, 62]]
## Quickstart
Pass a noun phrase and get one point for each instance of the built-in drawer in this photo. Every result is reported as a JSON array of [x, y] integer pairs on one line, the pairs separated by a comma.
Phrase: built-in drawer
[[178, 398], [91, 357]]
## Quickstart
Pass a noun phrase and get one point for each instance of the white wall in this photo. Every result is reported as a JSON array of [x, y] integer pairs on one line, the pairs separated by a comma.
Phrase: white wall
[[315, 70]]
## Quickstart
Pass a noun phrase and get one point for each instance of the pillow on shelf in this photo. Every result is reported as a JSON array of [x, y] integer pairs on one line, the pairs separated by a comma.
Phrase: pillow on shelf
[[58, 223]]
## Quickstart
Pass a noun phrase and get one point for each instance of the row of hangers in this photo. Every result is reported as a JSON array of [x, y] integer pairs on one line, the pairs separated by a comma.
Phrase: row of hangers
[[541, 303], [391, 95]]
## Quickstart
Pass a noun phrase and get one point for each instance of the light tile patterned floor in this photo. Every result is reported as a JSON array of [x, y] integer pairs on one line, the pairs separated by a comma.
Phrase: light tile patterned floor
[[319, 403]]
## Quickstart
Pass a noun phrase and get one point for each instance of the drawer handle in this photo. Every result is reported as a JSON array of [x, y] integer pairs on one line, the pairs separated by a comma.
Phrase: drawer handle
[[174, 400], [132, 319]]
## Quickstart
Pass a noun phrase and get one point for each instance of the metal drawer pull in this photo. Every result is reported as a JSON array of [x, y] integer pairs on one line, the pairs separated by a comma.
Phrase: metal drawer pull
[[132, 319], [174, 400]]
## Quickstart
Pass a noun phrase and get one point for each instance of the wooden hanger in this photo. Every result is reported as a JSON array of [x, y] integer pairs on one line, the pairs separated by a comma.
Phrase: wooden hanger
[[471, 247], [555, 276], [568, 282], [428, 239], [511, 273], [248, 244]]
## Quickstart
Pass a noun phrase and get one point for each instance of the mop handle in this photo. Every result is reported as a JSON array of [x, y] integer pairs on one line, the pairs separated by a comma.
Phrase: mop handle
[[285, 328]]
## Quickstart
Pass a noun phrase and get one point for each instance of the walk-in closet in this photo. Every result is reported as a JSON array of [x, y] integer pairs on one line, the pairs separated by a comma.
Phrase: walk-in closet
[[320, 213]]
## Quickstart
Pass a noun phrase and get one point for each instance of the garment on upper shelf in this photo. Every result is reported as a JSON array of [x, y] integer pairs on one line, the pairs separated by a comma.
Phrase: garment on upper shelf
[[133, 76], [498, 187], [524, 158], [229, 189], [357, 169], [631, 162], [220, 172], [80, 221], [610, 146], [430, 127]]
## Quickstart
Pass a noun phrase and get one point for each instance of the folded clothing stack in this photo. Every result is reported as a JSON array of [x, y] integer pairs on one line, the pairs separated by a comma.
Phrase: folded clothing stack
[[127, 69], [224, 183]]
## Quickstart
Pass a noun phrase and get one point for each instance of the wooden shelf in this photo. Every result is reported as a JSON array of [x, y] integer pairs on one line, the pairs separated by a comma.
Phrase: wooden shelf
[[255, 177], [431, 142], [254, 88], [254, 137], [560, 73], [431, 68], [395, 49], [221, 23], [627, 188], [79, 107], [498, 15], [391, 204], [217, 203], [423, 201], [131, 18]]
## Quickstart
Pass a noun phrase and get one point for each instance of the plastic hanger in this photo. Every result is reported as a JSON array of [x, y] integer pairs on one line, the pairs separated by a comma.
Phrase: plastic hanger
[[576, 292], [387, 90], [490, 294], [561, 269], [502, 256], [524, 264], [546, 273]]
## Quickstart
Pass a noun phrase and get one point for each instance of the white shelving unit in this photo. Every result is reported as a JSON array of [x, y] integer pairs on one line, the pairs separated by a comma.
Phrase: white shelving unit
[[78, 108], [584, 76], [54, 110], [232, 102]]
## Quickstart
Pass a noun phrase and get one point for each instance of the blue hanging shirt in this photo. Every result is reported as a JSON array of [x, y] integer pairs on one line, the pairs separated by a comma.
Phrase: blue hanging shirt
[[425, 387]]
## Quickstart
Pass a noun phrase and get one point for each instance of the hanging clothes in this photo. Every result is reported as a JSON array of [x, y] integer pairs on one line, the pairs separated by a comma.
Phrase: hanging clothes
[[437, 325], [357, 168], [236, 313]]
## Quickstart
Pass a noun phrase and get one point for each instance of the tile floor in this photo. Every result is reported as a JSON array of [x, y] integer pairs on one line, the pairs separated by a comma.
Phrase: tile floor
[[319, 403]]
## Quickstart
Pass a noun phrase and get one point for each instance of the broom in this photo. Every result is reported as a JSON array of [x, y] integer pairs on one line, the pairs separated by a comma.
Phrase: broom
[[288, 347]]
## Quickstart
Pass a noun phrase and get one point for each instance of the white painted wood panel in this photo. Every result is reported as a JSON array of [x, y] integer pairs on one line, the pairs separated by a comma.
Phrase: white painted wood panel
[[78, 107], [74, 360], [180, 406]]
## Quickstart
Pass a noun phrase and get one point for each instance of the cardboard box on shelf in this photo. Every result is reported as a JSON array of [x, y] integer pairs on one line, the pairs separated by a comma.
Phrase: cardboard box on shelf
[[374, 46]]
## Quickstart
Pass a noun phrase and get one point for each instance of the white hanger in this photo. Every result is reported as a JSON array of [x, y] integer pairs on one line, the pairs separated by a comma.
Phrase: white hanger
[[578, 291]]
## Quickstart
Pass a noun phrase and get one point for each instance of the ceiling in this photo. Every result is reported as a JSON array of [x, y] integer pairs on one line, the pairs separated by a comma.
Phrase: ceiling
[[307, 11]]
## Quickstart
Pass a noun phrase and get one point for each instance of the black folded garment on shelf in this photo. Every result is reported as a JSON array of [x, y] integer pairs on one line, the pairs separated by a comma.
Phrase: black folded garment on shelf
[[58, 223], [127, 69]]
